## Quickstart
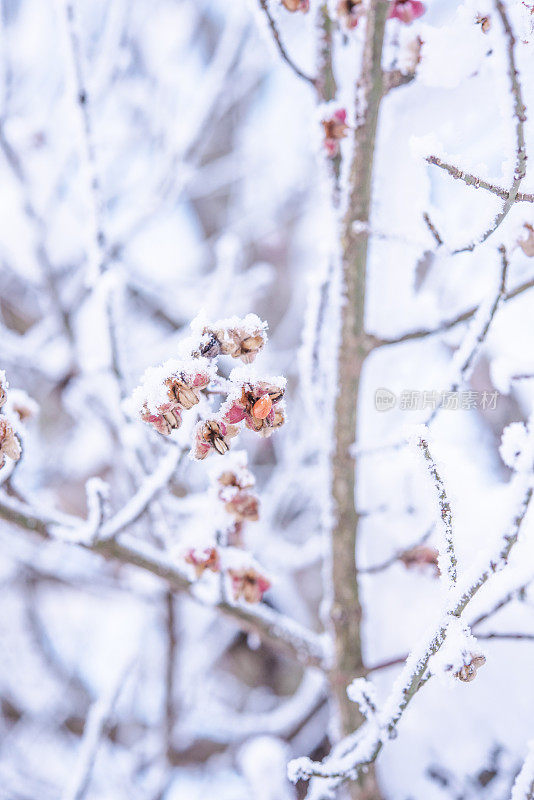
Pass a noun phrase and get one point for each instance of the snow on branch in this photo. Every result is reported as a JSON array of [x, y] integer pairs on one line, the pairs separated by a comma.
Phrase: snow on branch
[[97, 719], [447, 557], [523, 788], [361, 748], [478, 183], [271, 626], [453, 322], [520, 116]]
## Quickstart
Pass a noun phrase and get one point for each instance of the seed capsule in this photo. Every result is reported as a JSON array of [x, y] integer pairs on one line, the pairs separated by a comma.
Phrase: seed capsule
[[262, 407]]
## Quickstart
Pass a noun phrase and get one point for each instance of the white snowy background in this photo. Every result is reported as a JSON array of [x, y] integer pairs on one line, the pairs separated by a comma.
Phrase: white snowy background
[[212, 182]]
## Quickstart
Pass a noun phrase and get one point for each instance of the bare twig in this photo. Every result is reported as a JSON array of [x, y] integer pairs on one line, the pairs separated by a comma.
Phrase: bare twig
[[479, 183], [506, 635], [453, 322], [170, 668], [100, 256], [432, 228], [94, 728], [383, 565], [520, 115], [264, 5]]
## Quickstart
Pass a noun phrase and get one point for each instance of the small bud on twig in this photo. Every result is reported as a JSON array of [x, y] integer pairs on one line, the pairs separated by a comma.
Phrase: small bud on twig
[[335, 128], [406, 10]]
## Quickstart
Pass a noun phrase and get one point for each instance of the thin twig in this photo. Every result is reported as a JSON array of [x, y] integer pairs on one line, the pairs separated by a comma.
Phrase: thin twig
[[397, 555], [359, 750], [82, 100], [448, 551], [515, 636], [170, 668], [94, 728], [264, 5], [478, 183], [520, 115], [453, 322], [432, 228]]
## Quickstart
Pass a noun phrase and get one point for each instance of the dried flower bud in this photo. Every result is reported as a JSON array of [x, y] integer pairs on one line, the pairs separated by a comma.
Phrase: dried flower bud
[[350, 12], [406, 10], [419, 556], [165, 422], [241, 504], [527, 243], [213, 435], [242, 479], [238, 343], [202, 560], [470, 668], [258, 406], [249, 584], [185, 396], [168, 390], [412, 55], [9, 444], [484, 21], [296, 5], [236, 337], [335, 128]]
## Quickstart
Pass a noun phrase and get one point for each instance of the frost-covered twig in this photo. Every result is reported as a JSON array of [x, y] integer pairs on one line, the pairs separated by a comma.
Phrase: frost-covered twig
[[453, 322], [362, 748], [96, 721], [523, 788], [506, 635], [432, 228], [150, 488], [520, 116], [515, 593], [397, 555], [170, 668], [271, 626], [97, 254], [479, 183], [38, 223], [447, 552], [264, 5]]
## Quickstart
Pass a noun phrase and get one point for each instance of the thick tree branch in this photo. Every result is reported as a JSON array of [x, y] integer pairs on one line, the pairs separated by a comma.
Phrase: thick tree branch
[[272, 627]]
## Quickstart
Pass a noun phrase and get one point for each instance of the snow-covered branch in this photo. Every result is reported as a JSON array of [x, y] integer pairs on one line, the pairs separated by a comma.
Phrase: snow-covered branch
[[272, 627], [523, 788], [447, 562]]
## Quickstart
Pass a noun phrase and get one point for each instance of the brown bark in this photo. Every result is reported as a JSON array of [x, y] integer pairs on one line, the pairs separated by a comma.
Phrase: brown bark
[[355, 345]]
